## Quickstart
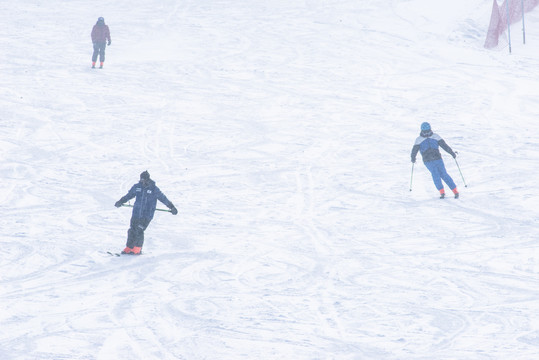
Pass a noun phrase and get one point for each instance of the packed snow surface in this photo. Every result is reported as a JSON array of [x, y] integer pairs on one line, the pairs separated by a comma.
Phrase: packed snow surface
[[282, 131]]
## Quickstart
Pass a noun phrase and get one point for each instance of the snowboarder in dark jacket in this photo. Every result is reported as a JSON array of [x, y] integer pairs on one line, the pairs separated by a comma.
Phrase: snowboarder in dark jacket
[[146, 194], [100, 39], [428, 144]]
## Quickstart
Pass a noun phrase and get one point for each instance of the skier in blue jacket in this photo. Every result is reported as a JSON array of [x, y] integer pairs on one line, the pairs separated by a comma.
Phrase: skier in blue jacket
[[428, 144], [146, 194]]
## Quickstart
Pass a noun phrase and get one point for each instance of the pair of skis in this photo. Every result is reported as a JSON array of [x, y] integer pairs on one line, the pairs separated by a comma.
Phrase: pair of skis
[[120, 254]]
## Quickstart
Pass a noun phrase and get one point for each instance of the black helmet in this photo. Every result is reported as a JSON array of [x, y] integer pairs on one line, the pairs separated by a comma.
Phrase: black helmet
[[145, 175]]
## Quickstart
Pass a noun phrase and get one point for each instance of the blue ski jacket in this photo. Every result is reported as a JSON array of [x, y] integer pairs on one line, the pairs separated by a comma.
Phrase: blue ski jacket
[[428, 144], [145, 199]]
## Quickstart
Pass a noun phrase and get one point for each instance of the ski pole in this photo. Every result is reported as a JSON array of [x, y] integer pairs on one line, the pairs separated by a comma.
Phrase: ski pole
[[464, 181], [128, 205], [412, 176]]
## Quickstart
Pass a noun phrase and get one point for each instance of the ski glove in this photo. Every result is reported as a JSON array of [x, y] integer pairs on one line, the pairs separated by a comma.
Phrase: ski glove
[[108, 43], [118, 203], [173, 210]]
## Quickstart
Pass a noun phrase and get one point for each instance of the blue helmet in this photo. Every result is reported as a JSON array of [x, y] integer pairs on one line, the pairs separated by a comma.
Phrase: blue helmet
[[425, 126], [100, 19]]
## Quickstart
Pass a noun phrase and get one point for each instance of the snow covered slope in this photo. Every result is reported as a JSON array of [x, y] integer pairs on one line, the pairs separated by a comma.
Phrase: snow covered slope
[[282, 131]]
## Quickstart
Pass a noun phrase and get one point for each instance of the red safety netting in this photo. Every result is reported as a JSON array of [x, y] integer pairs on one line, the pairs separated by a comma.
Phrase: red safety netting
[[498, 18]]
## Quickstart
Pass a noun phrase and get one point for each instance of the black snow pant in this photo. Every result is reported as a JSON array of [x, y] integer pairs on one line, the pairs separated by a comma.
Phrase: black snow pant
[[99, 49], [135, 234]]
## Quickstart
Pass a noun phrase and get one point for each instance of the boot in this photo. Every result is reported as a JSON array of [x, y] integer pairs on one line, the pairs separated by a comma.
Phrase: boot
[[137, 250], [127, 250], [456, 192], [93, 64], [442, 193], [101, 65]]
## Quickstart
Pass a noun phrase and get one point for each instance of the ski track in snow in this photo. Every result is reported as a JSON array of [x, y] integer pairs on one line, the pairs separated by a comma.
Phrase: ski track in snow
[[282, 133]]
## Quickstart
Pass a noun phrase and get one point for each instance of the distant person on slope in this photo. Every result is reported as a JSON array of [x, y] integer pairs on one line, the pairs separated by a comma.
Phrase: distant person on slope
[[146, 194], [427, 143], [100, 36]]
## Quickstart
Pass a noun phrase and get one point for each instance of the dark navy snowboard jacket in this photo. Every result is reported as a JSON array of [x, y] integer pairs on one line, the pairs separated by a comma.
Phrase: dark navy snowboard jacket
[[145, 199]]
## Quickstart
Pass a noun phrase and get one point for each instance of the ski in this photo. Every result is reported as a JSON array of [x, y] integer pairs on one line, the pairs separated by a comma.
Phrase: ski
[[118, 254], [122, 254]]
